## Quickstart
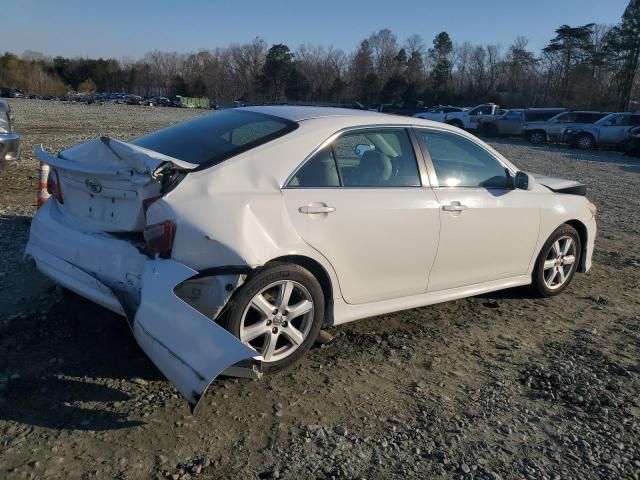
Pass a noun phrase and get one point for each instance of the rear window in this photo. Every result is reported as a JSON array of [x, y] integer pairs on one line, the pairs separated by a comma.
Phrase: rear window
[[210, 139]]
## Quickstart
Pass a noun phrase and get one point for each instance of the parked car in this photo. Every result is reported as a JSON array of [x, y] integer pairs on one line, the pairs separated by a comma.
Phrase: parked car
[[609, 131], [437, 114], [631, 144], [512, 121], [239, 235], [469, 119], [551, 130], [9, 141]]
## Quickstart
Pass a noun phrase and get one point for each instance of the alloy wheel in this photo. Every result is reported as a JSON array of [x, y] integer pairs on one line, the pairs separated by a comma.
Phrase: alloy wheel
[[559, 262], [278, 319]]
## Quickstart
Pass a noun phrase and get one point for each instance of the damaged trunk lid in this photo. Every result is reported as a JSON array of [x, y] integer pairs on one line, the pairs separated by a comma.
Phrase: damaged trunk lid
[[105, 182]]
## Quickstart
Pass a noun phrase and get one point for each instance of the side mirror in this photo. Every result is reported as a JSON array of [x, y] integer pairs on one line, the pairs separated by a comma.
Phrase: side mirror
[[361, 148], [524, 181]]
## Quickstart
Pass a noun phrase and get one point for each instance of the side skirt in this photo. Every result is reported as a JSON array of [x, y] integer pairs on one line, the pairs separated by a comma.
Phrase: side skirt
[[344, 312]]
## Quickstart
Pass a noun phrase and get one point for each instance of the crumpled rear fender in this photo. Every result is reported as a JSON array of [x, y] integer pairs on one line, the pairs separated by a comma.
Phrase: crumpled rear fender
[[186, 346]]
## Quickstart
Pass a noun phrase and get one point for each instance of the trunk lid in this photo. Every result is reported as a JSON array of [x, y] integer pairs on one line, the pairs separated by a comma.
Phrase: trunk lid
[[104, 182]]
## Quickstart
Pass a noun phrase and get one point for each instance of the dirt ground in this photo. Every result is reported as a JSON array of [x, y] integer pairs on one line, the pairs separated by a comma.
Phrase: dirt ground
[[496, 386]]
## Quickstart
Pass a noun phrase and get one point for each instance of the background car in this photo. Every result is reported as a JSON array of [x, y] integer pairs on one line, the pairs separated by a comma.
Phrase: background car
[[9, 141], [551, 130], [512, 121], [438, 114], [469, 119], [609, 131]]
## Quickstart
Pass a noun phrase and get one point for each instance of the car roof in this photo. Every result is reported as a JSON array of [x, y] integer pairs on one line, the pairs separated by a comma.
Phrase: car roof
[[298, 113]]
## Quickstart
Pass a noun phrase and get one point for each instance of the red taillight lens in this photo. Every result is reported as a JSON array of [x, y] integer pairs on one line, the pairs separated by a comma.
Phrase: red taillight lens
[[53, 185], [159, 237]]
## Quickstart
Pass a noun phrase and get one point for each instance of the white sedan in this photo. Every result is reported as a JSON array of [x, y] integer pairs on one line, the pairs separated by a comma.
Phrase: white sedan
[[232, 239]]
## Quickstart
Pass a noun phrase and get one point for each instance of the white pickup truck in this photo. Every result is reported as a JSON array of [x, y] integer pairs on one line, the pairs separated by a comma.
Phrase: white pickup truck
[[470, 119]]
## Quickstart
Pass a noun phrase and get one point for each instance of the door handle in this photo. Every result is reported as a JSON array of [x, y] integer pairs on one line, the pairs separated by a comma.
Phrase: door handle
[[454, 207], [312, 210]]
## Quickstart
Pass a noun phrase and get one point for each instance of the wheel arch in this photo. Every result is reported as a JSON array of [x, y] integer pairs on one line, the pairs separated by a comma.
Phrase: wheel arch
[[321, 275], [581, 228]]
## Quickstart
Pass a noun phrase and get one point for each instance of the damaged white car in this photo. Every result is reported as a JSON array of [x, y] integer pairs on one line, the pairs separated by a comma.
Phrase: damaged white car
[[235, 237]]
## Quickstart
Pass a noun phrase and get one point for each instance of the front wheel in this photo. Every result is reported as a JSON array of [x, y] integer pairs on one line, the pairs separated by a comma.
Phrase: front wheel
[[279, 311], [557, 262], [585, 142]]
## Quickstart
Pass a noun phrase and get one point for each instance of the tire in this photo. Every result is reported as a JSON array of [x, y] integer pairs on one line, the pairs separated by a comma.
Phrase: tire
[[281, 340], [557, 262], [537, 137], [455, 123], [585, 141], [490, 130]]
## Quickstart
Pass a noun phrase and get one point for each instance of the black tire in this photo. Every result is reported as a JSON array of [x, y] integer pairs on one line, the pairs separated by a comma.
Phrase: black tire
[[455, 123], [490, 130], [271, 274], [539, 286], [537, 137], [585, 141]]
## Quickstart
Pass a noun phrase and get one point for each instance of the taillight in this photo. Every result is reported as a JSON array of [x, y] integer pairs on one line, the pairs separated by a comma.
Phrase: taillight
[[53, 185], [159, 237]]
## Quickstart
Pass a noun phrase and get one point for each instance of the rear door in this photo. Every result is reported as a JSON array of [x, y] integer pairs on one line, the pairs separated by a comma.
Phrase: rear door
[[488, 230], [364, 203]]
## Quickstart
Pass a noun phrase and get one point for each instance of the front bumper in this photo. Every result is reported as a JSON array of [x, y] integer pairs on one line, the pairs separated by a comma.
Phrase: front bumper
[[186, 346], [9, 146]]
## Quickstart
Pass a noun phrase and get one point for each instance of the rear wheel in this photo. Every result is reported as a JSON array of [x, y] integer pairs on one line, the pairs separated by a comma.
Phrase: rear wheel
[[279, 311], [585, 141], [557, 263], [537, 137]]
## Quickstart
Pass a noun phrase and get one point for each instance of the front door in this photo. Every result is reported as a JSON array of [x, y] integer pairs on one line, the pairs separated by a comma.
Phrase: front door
[[488, 230], [361, 203]]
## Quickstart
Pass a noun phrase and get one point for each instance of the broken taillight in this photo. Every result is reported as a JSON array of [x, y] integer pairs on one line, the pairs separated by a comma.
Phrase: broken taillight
[[159, 237], [53, 185]]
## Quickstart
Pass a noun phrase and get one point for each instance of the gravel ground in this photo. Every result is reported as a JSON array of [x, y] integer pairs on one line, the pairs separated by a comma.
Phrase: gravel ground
[[495, 386]]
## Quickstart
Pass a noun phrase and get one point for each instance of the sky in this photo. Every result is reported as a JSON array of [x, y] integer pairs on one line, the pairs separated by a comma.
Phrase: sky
[[128, 29]]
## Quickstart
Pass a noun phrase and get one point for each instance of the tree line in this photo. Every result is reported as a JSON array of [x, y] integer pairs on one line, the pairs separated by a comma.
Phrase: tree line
[[590, 66]]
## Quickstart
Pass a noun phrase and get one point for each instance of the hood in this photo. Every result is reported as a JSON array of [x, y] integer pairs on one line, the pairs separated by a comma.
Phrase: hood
[[561, 185]]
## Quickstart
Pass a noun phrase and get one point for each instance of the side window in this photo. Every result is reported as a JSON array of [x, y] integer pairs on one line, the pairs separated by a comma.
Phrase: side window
[[621, 121], [459, 162], [513, 116], [567, 118], [319, 172], [376, 158]]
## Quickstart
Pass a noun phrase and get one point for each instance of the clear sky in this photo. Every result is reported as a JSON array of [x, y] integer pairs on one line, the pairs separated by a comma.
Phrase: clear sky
[[128, 29]]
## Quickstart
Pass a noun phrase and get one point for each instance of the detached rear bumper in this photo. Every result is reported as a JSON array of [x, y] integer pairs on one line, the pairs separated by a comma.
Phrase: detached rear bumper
[[186, 346], [9, 146]]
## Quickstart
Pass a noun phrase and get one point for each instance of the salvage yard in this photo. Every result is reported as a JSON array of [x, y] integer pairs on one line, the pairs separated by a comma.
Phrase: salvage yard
[[497, 386]]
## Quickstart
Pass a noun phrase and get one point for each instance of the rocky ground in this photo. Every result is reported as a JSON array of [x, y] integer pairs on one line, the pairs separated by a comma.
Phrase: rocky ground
[[497, 386]]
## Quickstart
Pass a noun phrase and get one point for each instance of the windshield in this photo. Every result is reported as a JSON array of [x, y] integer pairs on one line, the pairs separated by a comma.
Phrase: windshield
[[210, 139], [607, 118]]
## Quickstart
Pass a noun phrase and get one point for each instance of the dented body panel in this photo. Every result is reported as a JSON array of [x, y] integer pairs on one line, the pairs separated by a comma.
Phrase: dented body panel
[[187, 347]]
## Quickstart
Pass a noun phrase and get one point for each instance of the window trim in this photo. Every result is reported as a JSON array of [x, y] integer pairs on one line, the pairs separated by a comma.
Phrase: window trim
[[423, 174], [429, 162]]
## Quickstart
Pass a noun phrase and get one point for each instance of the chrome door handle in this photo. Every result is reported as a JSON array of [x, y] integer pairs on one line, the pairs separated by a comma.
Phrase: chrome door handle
[[454, 207], [312, 210]]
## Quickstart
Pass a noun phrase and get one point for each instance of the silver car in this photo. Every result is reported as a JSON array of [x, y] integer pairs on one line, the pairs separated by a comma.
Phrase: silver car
[[551, 130], [609, 131], [9, 141]]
